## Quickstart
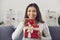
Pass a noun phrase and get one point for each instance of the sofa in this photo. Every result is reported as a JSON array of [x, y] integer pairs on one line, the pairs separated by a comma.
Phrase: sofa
[[55, 32], [6, 33]]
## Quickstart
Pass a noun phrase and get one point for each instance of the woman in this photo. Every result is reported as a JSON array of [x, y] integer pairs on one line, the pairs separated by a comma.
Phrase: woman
[[32, 12]]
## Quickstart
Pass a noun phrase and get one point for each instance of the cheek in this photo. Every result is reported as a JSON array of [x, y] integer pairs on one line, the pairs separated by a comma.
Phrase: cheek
[[28, 14], [34, 15]]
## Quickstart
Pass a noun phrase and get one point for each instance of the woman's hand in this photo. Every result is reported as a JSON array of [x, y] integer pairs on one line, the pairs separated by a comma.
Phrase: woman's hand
[[40, 35], [26, 20]]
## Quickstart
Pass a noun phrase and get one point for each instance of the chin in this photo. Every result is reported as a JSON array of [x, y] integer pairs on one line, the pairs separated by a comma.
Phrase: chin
[[31, 18]]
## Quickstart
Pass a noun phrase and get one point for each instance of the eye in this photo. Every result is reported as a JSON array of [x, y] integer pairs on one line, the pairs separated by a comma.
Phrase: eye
[[29, 10], [34, 10]]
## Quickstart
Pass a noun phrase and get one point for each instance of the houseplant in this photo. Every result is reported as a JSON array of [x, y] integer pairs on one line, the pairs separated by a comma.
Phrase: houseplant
[[1, 22], [59, 20]]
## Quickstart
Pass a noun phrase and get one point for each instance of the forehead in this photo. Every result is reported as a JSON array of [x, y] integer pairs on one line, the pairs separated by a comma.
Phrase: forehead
[[32, 8]]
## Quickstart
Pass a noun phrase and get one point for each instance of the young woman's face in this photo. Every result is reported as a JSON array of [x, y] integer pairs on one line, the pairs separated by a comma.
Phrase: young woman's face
[[31, 13]]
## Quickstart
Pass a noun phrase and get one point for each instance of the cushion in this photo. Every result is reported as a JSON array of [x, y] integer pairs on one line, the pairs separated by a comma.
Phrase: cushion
[[55, 33], [6, 32]]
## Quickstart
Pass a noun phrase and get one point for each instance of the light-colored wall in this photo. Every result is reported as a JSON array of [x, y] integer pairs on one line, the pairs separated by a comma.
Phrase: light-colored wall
[[19, 7], [0, 12]]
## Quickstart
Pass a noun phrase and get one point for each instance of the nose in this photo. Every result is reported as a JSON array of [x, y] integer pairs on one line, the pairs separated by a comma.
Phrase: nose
[[31, 13]]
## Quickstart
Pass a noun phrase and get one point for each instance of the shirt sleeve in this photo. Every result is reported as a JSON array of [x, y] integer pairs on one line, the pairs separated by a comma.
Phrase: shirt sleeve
[[17, 31], [46, 32]]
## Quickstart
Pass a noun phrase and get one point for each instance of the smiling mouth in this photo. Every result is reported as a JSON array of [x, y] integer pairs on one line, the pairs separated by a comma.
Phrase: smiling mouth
[[32, 17]]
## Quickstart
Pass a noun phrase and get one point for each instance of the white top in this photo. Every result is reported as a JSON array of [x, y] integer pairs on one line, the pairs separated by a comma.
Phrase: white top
[[42, 26]]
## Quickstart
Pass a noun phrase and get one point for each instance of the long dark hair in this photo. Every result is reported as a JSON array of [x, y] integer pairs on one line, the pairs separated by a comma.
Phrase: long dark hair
[[38, 17]]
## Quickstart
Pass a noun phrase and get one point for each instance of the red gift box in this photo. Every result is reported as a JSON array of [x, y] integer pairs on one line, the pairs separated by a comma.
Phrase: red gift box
[[33, 30]]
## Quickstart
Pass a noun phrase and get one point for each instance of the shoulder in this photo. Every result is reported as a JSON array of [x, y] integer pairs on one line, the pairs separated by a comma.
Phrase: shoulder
[[43, 24], [20, 25]]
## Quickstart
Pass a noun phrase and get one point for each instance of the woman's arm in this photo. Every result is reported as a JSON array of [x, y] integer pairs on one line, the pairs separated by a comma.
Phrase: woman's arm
[[17, 32], [46, 33]]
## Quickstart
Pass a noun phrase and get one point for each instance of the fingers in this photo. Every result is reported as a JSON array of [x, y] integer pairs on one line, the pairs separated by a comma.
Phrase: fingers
[[40, 35], [26, 20]]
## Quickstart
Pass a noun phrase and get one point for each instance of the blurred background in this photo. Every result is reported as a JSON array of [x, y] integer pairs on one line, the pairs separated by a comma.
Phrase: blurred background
[[12, 11]]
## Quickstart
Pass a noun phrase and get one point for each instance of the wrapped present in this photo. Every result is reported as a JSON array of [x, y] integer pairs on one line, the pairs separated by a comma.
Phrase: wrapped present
[[31, 31], [32, 22]]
